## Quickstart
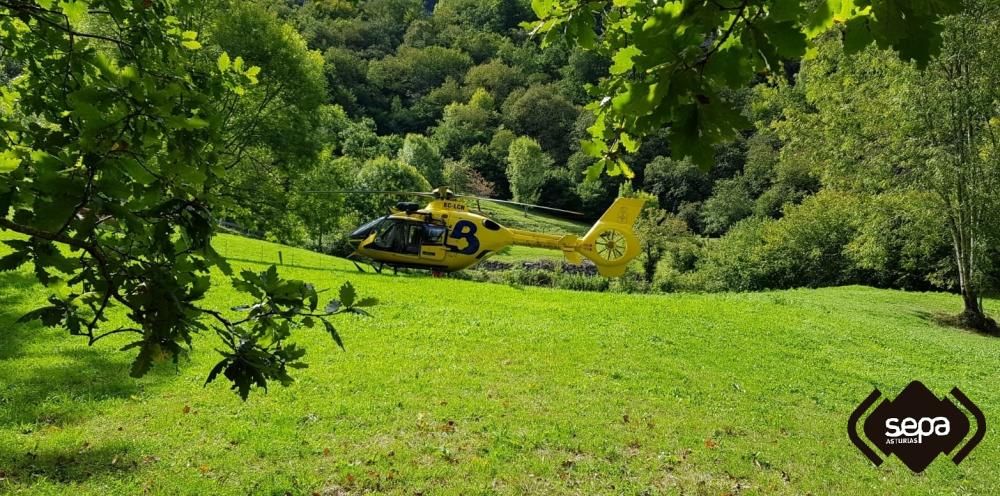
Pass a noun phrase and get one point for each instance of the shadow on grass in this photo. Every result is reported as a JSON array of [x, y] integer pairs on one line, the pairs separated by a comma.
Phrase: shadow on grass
[[50, 386], [953, 321], [59, 380], [354, 272], [67, 388], [20, 287], [69, 464], [293, 265]]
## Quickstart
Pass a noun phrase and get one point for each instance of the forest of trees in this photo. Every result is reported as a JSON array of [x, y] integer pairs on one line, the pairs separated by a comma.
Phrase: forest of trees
[[786, 144], [403, 94], [829, 180]]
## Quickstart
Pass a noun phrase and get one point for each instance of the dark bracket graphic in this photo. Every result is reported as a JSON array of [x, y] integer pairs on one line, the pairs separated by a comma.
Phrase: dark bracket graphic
[[852, 431], [916, 401], [980, 425]]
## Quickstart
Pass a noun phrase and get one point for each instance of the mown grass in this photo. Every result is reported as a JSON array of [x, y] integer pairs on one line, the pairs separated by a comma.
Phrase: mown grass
[[527, 254], [458, 387]]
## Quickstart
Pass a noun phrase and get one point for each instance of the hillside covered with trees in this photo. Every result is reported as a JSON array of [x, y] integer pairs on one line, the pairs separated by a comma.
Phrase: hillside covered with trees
[[827, 183], [399, 94]]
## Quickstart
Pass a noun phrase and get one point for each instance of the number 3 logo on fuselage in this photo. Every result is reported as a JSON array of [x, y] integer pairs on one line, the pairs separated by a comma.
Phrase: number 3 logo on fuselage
[[465, 230]]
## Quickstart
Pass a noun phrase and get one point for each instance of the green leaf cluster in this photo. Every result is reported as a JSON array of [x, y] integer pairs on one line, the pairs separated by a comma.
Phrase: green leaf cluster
[[676, 62], [256, 350], [113, 140]]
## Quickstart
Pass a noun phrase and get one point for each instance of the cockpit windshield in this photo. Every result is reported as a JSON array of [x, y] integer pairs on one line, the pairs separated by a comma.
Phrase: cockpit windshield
[[363, 231]]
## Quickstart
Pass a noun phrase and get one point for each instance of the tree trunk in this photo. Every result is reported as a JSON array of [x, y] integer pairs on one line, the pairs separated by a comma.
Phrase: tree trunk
[[649, 265], [972, 315], [971, 300]]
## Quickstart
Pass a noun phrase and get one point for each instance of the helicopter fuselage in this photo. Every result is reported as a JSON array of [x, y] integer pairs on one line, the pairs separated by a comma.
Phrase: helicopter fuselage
[[445, 236]]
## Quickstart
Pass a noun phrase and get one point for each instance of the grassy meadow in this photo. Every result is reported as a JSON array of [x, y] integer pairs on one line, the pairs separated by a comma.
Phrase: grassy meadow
[[457, 387]]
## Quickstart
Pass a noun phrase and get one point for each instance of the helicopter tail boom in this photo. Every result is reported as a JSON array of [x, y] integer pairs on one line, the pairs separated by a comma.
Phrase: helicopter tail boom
[[567, 243], [611, 243]]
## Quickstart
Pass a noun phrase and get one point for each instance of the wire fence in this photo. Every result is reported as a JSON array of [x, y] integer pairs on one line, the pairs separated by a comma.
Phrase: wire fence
[[263, 252]]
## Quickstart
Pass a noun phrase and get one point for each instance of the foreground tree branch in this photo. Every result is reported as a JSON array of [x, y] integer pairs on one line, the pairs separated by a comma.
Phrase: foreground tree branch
[[674, 62], [115, 137]]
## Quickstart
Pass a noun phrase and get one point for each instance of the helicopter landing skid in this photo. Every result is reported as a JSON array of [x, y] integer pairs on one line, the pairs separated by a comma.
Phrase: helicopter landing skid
[[377, 268]]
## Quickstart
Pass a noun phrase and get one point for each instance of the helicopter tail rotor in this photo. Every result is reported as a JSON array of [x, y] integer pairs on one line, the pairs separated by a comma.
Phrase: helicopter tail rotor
[[611, 243]]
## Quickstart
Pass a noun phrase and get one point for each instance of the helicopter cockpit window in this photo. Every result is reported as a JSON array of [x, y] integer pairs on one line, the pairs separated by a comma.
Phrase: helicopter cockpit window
[[390, 234], [363, 231], [434, 235]]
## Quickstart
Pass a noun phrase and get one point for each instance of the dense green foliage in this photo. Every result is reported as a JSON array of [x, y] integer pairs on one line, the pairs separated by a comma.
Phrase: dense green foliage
[[118, 132], [527, 166], [432, 84], [675, 62], [131, 128], [844, 174], [871, 132], [875, 100]]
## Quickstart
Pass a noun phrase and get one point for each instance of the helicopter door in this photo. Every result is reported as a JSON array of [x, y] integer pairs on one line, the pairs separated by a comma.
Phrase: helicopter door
[[433, 242], [398, 236]]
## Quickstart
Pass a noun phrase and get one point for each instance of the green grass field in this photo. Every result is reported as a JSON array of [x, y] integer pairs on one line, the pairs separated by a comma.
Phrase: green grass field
[[458, 387]]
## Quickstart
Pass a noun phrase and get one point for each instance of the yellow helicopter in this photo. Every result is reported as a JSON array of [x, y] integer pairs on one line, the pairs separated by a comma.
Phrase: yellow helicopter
[[446, 236]]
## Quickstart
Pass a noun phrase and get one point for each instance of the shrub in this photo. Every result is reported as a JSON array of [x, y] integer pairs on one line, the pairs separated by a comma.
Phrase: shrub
[[462, 178], [388, 175], [730, 202], [543, 114], [420, 152], [805, 248], [527, 277], [632, 281], [903, 243], [581, 282], [832, 238], [527, 169], [734, 262], [559, 191], [667, 278]]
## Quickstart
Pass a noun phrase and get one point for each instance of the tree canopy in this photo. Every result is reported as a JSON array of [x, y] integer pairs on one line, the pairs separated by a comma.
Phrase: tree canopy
[[117, 131], [674, 63]]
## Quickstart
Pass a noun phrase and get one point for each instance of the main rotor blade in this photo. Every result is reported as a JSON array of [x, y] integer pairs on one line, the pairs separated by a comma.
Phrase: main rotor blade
[[510, 202], [372, 192]]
